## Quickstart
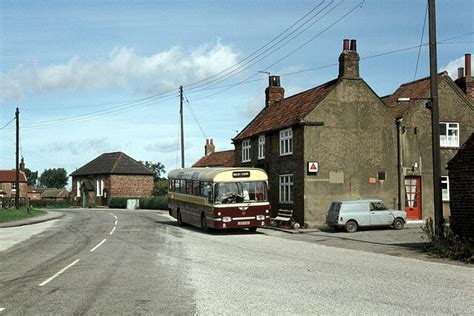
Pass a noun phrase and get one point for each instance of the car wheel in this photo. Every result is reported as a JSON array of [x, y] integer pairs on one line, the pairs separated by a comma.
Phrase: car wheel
[[252, 229], [398, 223], [204, 223], [351, 227], [178, 217]]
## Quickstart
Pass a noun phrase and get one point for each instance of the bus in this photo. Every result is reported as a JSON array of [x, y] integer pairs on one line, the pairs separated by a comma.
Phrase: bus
[[219, 198]]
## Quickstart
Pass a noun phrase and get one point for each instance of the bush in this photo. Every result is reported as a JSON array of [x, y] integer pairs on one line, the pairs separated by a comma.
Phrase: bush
[[448, 244], [154, 203], [118, 202], [50, 204]]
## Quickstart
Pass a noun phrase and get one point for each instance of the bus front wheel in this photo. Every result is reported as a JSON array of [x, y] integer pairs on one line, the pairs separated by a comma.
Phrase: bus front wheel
[[204, 226]]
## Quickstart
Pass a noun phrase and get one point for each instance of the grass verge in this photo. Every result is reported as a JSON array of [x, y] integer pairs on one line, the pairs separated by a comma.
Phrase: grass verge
[[8, 215]]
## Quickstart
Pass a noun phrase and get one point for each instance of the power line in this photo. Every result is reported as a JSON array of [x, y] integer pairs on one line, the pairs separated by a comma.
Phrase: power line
[[421, 41], [195, 118], [4, 126]]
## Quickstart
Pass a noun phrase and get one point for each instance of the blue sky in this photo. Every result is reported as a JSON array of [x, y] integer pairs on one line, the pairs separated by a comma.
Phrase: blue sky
[[99, 76]]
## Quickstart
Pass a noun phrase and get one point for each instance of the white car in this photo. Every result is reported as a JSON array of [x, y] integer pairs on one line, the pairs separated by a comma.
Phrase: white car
[[359, 213]]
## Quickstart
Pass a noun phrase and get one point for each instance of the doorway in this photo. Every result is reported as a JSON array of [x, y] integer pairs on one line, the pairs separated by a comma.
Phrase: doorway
[[413, 198]]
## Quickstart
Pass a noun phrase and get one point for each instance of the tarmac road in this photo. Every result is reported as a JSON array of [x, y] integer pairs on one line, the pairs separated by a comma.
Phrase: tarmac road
[[148, 265]]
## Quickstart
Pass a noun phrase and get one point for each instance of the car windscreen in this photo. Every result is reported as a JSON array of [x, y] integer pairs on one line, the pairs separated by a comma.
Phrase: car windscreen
[[240, 192]]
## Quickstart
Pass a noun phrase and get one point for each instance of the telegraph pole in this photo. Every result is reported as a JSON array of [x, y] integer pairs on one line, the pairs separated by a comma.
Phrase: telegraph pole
[[17, 180], [438, 206], [182, 124]]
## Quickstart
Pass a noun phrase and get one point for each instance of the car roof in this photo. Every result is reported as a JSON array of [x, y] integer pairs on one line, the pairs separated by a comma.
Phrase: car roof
[[358, 201]]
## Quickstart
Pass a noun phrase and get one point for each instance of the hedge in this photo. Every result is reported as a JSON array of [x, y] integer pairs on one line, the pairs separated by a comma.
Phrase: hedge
[[50, 204], [152, 203]]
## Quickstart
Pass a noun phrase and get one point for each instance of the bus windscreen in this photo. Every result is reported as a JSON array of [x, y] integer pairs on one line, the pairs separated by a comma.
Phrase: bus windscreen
[[240, 192]]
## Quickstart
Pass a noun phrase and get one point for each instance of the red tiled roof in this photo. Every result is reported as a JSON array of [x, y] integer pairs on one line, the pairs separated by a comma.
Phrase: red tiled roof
[[10, 176], [217, 159], [415, 90], [287, 112]]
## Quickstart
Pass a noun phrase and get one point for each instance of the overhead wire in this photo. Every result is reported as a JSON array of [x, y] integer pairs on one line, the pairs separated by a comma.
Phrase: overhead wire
[[4, 126], [195, 117], [421, 41]]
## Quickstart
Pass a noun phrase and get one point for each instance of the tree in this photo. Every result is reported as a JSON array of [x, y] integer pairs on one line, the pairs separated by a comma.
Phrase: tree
[[160, 187], [32, 177], [158, 168], [54, 178]]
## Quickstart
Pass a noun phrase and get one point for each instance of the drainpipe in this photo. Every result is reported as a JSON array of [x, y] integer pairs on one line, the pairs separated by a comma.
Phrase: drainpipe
[[398, 121]]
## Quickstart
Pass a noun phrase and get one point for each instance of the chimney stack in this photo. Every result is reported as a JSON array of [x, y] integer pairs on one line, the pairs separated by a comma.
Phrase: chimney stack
[[349, 60], [274, 92], [209, 148], [465, 81], [22, 164]]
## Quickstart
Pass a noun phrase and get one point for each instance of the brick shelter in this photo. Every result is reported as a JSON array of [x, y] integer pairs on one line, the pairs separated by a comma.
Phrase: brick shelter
[[461, 189], [110, 175]]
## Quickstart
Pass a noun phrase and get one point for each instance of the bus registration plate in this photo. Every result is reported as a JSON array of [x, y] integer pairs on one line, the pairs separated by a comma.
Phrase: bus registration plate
[[243, 223]]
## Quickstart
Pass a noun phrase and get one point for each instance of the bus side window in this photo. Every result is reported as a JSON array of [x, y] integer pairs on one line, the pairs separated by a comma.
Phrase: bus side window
[[209, 193]]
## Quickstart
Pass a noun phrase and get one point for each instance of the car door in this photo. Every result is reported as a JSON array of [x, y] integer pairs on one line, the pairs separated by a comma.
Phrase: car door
[[379, 214]]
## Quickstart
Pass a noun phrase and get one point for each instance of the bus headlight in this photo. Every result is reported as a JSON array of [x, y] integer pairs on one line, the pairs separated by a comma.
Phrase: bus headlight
[[226, 219], [260, 217]]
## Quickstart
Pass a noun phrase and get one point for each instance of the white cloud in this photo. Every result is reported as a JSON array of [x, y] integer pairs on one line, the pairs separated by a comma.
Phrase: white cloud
[[78, 147], [166, 146], [122, 68], [453, 65]]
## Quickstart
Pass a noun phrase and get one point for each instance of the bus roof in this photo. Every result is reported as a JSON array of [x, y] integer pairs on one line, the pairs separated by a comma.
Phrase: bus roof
[[219, 174]]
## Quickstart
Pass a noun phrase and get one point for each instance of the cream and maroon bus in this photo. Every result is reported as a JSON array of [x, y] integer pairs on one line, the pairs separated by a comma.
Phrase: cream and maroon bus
[[219, 198]]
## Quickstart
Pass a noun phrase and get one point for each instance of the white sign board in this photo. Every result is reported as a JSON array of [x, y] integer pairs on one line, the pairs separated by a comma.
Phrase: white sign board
[[312, 167]]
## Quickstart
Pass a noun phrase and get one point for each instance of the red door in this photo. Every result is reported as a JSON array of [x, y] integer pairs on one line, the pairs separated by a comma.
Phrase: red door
[[413, 197]]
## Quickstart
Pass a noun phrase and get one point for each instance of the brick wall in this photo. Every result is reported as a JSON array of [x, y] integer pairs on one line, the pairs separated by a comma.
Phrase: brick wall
[[7, 188], [461, 186], [130, 186]]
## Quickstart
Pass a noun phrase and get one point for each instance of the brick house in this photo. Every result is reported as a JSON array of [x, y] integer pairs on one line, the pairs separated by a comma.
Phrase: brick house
[[110, 175], [456, 119], [8, 182], [336, 141], [53, 194], [461, 190], [214, 158]]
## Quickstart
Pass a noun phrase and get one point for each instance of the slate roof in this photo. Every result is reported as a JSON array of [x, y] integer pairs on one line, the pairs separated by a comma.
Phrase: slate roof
[[287, 112], [54, 193], [416, 89], [10, 176], [113, 163], [217, 159]]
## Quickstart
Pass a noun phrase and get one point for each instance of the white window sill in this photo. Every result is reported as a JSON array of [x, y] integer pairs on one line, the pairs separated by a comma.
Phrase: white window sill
[[287, 154], [246, 160]]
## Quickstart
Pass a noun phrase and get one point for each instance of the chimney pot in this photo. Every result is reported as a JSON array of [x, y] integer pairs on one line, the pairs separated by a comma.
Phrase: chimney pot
[[467, 61], [353, 45], [209, 148], [274, 92], [460, 72], [345, 44]]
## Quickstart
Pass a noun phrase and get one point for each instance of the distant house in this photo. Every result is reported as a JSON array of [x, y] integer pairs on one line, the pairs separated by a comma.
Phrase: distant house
[[456, 123], [110, 175], [332, 142], [461, 190], [52, 194], [214, 158], [8, 183], [34, 193]]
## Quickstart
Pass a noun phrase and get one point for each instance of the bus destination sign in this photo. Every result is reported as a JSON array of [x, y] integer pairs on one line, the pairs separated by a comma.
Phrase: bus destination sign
[[241, 174]]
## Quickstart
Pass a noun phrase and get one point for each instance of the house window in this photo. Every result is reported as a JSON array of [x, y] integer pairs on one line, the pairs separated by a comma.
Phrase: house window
[[286, 142], [13, 186], [78, 188], [246, 150], [449, 134], [445, 188], [286, 188], [261, 147]]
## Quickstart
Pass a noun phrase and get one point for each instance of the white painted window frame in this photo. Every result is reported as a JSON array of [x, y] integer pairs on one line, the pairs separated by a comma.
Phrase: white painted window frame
[[78, 188], [445, 192], [261, 147], [449, 140], [286, 189], [286, 142], [246, 147]]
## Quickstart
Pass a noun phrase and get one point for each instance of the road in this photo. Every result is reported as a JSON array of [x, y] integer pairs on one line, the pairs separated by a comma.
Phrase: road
[[115, 261]]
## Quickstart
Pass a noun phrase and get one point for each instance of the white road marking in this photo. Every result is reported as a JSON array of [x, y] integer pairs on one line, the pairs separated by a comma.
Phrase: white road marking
[[113, 229], [57, 274], [2, 309], [98, 245], [115, 217], [116, 223]]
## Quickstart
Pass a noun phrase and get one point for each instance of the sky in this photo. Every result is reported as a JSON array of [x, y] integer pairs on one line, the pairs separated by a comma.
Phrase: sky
[[91, 77]]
